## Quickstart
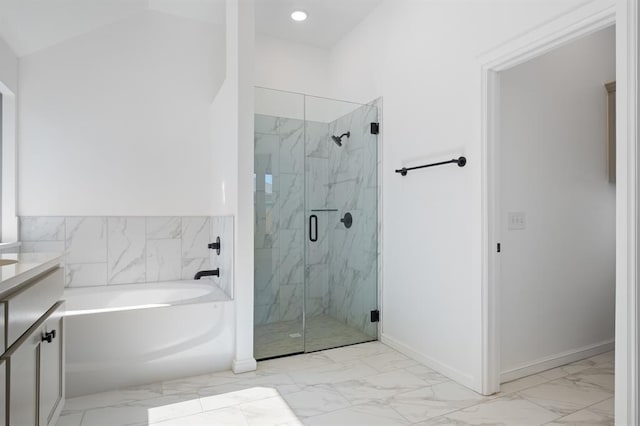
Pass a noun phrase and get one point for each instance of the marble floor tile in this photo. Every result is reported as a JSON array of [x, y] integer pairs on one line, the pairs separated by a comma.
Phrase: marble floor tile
[[359, 415], [379, 388], [333, 373], [316, 400], [601, 377], [268, 412], [565, 370], [232, 395], [566, 395], [509, 410], [520, 384], [112, 398], [116, 416], [388, 361], [230, 416], [367, 384], [73, 419], [428, 375], [586, 417], [433, 401]]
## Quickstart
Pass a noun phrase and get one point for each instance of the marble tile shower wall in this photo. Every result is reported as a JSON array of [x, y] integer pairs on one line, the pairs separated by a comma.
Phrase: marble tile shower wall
[[353, 187], [122, 250], [280, 229]]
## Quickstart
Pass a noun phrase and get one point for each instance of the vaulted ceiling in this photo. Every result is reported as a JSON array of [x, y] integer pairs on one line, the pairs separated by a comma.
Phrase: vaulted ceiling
[[31, 25]]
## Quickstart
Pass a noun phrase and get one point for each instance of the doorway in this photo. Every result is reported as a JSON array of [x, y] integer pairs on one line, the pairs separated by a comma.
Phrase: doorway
[[556, 210]]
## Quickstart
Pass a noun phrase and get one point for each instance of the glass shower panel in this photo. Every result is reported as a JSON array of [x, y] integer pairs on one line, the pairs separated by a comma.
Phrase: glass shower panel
[[279, 224], [341, 285]]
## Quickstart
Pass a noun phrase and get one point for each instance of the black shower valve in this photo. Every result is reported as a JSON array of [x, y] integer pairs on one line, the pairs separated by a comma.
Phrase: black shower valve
[[215, 246]]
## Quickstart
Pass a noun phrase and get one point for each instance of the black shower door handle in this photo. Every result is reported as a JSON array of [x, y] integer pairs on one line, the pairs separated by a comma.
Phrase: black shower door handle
[[313, 228]]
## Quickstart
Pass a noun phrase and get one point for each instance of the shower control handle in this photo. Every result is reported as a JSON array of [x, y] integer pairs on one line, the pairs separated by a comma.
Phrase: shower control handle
[[313, 228], [347, 220]]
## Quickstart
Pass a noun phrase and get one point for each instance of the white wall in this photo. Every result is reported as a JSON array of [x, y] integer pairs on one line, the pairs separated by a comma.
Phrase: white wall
[[117, 121], [9, 90], [557, 284], [233, 111], [294, 67], [421, 58], [8, 67]]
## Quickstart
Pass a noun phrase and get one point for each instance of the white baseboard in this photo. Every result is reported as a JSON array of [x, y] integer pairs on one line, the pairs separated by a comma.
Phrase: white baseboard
[[244, 365], [444, 369], [557, 360]]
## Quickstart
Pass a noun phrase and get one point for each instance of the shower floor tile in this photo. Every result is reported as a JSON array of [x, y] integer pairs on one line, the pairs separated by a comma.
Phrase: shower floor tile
[[286, 337]]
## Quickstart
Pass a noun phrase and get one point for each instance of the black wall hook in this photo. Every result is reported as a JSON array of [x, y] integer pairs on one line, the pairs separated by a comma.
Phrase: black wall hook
[[461, 162]]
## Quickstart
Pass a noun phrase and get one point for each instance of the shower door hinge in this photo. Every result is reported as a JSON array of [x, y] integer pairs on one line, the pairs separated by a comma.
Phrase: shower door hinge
[[375, 128], [375, 316], [498, 248]]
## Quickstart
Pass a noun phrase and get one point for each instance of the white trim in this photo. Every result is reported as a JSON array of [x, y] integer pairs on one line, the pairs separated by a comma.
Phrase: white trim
[[239, 366], [575, 24], [553, 361], [440, 367], [626, 404]]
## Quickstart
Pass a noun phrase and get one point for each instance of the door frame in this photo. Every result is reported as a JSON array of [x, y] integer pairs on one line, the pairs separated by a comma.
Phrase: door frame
[[575, 24]]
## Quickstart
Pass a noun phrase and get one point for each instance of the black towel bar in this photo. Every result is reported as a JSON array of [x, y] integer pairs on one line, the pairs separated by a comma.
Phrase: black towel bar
[[459, 161]]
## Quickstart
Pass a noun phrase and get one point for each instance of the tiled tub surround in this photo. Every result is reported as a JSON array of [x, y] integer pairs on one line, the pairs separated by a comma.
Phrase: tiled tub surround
[[122, 250], [341, 267]]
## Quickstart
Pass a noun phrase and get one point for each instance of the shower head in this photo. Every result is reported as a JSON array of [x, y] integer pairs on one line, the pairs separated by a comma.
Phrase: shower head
[[338, 139]]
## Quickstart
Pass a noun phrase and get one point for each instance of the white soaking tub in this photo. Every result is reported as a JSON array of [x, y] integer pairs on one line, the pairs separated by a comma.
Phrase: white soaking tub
[[133, 334]]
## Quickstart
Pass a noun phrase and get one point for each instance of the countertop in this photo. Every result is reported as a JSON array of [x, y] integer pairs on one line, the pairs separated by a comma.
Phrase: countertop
[[29, 265]]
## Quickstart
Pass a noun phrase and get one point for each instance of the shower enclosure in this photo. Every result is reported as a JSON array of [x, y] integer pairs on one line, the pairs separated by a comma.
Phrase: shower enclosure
[[316, 223]]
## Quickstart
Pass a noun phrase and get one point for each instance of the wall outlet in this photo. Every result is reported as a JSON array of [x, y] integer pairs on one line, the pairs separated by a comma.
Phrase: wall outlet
[[517, 221]]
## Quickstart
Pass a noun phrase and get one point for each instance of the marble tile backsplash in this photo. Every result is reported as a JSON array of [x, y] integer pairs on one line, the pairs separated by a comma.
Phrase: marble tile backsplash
[[123, 250]]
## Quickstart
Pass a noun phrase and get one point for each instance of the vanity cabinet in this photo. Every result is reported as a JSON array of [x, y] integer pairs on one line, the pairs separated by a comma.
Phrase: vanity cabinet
[[51, 367], [3, 387], [22, 396], [34, 360]]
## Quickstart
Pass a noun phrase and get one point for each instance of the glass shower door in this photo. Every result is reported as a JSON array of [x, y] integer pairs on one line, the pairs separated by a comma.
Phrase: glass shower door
[[316, 223], [341, 212], [279, 224]]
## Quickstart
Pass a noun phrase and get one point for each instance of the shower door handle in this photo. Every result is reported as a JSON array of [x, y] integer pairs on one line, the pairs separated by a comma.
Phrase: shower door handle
[[313, 228]]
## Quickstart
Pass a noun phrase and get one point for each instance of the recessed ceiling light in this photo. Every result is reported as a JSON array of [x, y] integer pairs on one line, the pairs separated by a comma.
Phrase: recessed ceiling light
[[299, 15]]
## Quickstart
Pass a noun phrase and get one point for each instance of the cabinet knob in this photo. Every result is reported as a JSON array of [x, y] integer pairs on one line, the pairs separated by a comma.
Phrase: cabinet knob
[[48, 336]]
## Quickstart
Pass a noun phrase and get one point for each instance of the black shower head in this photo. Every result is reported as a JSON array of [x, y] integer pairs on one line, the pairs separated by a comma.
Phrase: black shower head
[[338, 139]]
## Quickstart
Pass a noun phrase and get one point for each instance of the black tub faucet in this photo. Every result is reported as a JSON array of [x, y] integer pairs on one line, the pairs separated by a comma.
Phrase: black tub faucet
[[213, 272]]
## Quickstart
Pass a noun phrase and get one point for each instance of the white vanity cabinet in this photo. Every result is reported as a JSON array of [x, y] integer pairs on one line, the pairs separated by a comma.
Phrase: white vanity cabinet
[[51, 368], [22, 375], [3, 388], [34, 359]]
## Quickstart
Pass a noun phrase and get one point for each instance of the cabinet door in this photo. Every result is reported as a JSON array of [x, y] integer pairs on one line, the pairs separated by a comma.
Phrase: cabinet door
[[51, 368], [23, 381], [3, 393]]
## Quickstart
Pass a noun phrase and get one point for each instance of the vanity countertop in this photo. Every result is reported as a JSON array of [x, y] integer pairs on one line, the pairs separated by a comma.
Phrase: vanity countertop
[[28, 265]]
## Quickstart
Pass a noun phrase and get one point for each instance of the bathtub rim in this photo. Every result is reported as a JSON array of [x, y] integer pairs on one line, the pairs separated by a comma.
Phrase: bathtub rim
[[216, 295]]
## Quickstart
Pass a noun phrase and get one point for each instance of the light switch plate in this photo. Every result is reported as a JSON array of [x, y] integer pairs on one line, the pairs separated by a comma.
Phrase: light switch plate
[[517, 221]]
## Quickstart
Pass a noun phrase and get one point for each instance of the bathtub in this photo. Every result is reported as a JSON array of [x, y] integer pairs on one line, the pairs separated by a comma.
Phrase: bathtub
[[134, 334]]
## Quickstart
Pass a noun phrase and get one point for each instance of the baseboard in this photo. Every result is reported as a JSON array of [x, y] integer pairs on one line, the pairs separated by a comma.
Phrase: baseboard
[[556, 360], [440, 367], [244, 365]]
